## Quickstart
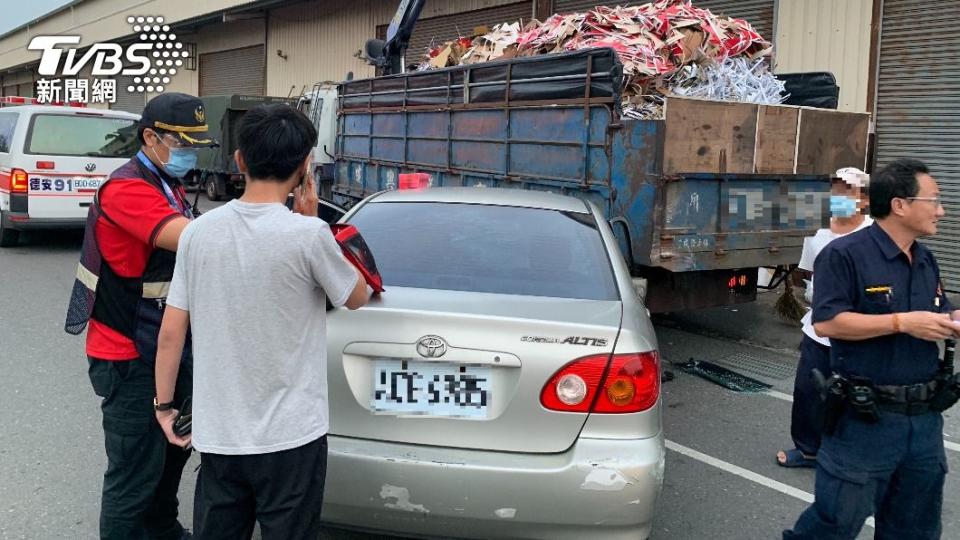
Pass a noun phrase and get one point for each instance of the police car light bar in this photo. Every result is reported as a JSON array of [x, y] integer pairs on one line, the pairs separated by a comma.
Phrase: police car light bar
[[20, 100]]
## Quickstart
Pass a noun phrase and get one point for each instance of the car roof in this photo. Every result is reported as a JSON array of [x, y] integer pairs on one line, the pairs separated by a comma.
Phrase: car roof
[[488, 196], [58, 109]]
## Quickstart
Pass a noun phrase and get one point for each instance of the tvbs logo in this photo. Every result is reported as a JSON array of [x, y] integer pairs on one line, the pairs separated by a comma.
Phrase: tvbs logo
[[157, 52]]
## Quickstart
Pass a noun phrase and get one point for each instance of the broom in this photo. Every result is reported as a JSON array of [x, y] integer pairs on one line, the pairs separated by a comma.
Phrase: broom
[[787, 306]]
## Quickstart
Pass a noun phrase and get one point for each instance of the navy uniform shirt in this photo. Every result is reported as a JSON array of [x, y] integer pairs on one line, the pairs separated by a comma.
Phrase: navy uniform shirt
[[865, 272]]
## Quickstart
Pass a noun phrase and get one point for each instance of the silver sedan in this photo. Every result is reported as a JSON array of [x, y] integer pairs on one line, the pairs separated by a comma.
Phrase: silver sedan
[[507, 382]]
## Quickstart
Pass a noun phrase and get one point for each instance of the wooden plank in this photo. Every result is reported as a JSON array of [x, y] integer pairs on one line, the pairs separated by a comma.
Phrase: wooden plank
[[830, 140], [776, 139], [709, 136]]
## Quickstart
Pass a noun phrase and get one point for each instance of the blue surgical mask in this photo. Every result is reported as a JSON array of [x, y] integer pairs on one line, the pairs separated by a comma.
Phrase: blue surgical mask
[[843, 207], [182, 161]]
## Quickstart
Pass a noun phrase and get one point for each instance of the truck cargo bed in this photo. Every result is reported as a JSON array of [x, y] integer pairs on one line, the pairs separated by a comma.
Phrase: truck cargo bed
[[713, 186]]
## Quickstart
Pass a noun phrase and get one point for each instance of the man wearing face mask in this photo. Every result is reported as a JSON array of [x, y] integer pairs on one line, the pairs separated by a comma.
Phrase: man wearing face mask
[[129, 249], [847, 204]]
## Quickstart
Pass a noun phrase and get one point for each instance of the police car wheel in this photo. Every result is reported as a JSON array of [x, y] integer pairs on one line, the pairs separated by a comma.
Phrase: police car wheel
[[8, 237], [212, 192]]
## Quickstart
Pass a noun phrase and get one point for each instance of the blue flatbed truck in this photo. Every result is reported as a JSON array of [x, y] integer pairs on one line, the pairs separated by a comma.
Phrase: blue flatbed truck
[[698, 200]]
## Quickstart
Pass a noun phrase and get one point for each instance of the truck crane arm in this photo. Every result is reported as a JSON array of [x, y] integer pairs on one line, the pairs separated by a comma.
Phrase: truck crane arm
[[389, 54]]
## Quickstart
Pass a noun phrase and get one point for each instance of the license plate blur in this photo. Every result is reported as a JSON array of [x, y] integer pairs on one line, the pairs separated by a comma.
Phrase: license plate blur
[[410, 387]]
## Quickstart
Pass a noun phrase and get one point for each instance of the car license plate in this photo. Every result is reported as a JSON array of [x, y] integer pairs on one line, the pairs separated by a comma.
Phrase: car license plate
[[64, 184], [87, 183], [410, 387]]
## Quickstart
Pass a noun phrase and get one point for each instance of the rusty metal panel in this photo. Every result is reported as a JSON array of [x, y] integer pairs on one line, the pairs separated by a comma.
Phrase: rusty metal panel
[[918, 107]]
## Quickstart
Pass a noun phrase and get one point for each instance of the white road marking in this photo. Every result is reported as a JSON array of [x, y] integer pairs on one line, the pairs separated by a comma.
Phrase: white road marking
[[951, 445], [747, 474], [779, 395]]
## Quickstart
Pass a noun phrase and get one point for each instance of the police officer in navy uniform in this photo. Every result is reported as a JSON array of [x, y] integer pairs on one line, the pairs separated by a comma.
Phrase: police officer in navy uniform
[[129, 251], [878, 297]]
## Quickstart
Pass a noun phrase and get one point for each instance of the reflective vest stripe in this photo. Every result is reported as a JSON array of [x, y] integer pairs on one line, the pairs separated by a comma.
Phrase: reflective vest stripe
[[156, 289], [88, 278]]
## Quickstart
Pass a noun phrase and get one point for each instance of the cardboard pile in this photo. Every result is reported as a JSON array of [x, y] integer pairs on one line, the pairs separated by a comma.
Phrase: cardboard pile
[[661, 45]]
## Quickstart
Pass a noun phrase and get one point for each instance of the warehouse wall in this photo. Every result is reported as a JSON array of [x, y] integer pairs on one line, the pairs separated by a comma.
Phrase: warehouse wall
[[103, 20], [321, 40], [827, 35], [214, 38]]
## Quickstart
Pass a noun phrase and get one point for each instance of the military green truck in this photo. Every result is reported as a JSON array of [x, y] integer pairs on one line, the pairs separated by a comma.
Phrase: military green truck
[[217, 172]]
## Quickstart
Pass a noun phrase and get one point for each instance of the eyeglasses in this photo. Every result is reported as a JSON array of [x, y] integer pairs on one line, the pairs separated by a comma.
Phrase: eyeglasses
[[937, 201], [168, 139]]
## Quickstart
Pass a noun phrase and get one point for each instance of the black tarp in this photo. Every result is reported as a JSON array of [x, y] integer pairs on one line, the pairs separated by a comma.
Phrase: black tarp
[[550, 77]]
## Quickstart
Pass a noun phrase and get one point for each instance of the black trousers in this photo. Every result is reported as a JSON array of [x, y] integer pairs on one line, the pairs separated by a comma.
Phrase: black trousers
[[283, 491], [139, 498], [806, 396]]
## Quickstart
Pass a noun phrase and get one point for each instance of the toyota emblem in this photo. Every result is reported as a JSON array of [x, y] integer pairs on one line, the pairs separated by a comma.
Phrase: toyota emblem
[[431, 347], [90, 167]]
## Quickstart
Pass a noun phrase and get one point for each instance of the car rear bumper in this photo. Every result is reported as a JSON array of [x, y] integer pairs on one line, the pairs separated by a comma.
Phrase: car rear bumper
[[22, 222], [598, 489]]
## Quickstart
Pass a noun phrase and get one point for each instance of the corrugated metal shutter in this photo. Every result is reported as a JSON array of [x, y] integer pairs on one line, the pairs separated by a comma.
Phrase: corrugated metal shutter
[[128, 101], [759, 13], [918, 107], [440, 29], [237, 71]]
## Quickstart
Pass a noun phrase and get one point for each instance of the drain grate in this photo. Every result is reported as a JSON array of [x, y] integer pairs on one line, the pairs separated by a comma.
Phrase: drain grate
[[773, 369]]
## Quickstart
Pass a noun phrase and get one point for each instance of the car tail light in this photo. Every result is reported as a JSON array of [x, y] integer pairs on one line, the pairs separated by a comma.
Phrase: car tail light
[[18, 181], [622, 383], [46, 165]]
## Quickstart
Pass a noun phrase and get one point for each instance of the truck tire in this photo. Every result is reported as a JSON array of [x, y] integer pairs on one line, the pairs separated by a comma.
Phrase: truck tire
[[213, 190], [8, 237]]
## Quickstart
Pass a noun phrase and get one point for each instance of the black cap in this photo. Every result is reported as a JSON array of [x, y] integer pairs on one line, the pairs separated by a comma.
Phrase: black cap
[[181, 114]]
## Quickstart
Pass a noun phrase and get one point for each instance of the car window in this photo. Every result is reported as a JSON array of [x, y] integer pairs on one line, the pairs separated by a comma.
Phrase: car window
[[8, 122], [76, 135], [494, 249]]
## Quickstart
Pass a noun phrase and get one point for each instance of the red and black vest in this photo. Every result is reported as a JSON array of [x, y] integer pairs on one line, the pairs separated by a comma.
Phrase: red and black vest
[[133, 306]]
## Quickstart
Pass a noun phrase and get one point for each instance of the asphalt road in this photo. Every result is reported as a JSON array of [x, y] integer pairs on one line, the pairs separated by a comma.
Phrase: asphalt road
[[721, 479]]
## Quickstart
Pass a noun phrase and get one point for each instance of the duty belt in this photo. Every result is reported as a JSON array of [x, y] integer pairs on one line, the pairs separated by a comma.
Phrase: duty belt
[[913, 399]]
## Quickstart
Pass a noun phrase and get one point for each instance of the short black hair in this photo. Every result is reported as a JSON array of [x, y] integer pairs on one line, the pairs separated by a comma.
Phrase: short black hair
[[274, 140], [896, 180]]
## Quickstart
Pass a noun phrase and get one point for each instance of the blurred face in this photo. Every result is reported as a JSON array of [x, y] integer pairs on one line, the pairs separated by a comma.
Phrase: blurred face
[[839, 188], [920, 213]]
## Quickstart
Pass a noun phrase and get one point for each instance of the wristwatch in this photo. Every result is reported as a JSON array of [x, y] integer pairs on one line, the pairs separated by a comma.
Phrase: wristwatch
[[157, 406]]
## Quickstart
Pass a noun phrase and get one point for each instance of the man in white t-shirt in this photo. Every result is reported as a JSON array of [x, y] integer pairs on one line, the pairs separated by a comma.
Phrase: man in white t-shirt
[[252, 279], [847, 203]]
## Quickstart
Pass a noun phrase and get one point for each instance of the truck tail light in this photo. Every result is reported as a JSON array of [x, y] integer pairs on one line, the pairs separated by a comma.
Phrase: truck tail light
[[18, 181], [621, 383], [414, 181]]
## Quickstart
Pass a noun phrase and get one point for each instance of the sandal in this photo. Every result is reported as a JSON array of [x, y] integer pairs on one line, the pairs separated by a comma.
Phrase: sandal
[[796, 459]]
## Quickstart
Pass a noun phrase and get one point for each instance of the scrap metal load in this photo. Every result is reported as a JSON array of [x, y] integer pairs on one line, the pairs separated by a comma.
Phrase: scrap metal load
[[669, 47]]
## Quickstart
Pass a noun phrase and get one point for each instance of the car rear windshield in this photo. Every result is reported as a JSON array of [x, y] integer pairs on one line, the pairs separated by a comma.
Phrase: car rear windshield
[[78, 135], [491, 249]]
